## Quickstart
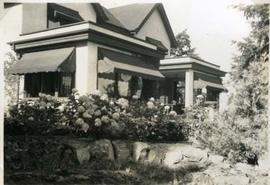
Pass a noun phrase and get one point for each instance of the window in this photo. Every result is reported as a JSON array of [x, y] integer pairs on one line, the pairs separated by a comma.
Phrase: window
[[60, 15], [53, 83]]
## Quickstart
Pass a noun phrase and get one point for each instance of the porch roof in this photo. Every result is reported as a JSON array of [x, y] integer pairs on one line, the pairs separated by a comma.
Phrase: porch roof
[[171, 66], [46, 61]]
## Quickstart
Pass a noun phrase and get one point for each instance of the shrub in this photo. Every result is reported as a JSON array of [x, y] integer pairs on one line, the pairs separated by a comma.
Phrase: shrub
[[34, 115], [232, 136]]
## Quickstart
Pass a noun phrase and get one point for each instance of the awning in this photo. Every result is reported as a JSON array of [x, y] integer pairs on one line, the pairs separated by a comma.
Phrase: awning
[[108, 66], [199, 84], [61, 60]]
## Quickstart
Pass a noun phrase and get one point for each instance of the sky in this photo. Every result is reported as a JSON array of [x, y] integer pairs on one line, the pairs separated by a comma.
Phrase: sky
[[211, 24]]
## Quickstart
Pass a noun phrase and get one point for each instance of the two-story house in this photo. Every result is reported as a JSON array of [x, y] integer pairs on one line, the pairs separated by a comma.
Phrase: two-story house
[[124, 51]]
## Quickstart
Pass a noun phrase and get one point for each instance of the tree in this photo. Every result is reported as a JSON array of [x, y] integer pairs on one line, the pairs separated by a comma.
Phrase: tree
[[11, 81], [249, 75], [183, 47]]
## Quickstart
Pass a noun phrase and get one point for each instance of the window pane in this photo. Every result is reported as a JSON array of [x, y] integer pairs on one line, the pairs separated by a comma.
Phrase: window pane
[[32, 84], [67, 83]]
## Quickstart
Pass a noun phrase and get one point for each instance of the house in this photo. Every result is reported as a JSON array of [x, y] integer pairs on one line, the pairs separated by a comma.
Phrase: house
[[124, 51]]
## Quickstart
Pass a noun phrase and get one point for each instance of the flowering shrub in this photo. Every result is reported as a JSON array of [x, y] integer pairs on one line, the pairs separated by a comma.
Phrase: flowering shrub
[[42, 110], [99, 116], [34, 115]]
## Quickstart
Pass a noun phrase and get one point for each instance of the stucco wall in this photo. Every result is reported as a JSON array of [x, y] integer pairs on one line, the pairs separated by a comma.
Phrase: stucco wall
[[34, 17], [155, 28], [85, 10]]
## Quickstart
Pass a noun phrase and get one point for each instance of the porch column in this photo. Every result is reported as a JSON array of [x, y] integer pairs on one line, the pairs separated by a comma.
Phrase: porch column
[[189, 78], [86, 68], [21, 93]]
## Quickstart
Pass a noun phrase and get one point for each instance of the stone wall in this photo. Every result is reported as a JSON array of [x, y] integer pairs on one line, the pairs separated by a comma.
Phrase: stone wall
[[62, 151]]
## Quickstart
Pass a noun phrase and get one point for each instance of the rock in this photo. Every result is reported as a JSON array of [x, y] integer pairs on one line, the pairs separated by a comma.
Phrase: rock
[[102, 149], [202, 179], [67, 158], [236, 179], [83, 155], [186, 157], [80, 149], [122, 150], [216, 158], [173, 157], [76, 143], [151, 156], [243, 167], [137, 148]]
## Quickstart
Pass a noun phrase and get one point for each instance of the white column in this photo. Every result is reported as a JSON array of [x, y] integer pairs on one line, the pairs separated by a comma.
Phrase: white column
[[189, 78], [21, 88], [86, 68], [92, 67]]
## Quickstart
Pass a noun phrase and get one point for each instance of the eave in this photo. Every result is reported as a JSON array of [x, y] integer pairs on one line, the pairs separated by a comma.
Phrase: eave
[[84, 31], [186, 63]]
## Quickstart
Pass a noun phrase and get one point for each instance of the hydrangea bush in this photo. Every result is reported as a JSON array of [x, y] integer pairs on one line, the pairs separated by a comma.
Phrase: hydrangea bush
[[34, 115], [100, 116]]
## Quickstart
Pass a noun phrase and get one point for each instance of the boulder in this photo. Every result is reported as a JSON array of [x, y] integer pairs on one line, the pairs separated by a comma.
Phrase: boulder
[[216, 158], [173, 157], [122, 150], [138, 147], [102, 149], [80, 149], [202, 179], [83, 155], [186, 157]]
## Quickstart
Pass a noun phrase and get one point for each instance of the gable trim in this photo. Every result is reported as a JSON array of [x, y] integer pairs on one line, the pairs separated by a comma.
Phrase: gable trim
[[163, 15]]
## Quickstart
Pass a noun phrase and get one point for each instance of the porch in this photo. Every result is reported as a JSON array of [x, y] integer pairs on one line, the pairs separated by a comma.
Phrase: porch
[[188, 77]]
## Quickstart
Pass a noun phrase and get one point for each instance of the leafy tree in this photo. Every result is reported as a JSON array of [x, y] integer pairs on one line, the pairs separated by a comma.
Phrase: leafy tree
[[11, 81], [184, 47], [249, 75]]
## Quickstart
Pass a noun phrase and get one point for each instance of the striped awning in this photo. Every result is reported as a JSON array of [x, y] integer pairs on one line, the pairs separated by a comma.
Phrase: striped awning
[[61, 60], [199, 84], [147, 71]]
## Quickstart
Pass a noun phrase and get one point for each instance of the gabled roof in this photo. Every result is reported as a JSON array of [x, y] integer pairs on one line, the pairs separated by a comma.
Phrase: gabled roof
[[134, 16], [105, 16]]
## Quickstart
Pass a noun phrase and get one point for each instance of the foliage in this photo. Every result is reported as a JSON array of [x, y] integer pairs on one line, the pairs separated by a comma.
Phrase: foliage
[[183, 47], [11, 81], [249, 76], [240, 133], [34, 115], [232, 136]]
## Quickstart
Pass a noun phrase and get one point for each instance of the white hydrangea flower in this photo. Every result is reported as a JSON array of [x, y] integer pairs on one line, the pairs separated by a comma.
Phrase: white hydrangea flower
[[152, 99], [104, 97], [173, 113], [167, 107], [150, 105]]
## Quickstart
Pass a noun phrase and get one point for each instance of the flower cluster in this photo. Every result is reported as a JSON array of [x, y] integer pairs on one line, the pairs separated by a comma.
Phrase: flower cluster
[[44, 109]]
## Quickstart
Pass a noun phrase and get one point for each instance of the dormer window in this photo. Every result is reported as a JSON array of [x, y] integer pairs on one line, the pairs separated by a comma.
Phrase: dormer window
[[59, 15]]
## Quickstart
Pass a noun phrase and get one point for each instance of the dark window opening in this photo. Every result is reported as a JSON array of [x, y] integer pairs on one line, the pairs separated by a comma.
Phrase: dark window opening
[[53, 83], [212, 95]]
